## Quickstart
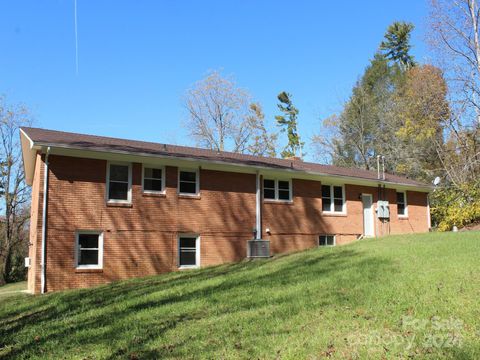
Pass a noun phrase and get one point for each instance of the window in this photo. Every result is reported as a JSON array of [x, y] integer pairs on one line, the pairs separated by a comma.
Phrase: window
[[188, 182], [119, 182], [326, 240], [153, 179], [333, 199], [277, 190], [402, 204], [269, 189], [89, 250], [188, 251]]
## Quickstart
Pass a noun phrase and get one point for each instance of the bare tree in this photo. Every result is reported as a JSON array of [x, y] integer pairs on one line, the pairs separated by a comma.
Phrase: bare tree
[[455, 38], [14, 191], [221, 117]]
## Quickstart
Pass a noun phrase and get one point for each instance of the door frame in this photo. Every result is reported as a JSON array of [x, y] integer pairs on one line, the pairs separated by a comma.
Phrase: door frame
[[372, 217]]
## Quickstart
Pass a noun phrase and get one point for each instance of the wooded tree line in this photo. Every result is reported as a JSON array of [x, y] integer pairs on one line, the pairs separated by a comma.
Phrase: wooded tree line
[[423, 117]]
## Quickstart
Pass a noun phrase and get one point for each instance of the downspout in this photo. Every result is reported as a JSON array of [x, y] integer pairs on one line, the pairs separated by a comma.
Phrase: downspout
[[258, 210], [44, 224], [429, 215]]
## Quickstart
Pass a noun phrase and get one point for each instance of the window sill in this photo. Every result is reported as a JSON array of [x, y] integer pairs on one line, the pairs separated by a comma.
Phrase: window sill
[[402, 217], [189, 267], [189, 196], [119, 204], [160, 194], [333, 214], [271, 201], [88, 270]]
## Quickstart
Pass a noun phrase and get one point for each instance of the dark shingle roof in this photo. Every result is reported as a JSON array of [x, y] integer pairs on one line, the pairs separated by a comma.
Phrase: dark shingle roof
[[108, 144]]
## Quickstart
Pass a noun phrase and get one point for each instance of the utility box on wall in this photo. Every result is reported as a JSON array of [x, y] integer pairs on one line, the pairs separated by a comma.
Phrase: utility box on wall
[[383, 209]]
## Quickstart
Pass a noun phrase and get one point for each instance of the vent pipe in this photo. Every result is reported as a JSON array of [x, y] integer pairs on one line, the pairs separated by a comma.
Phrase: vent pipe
[[378, 166], [383, 167]]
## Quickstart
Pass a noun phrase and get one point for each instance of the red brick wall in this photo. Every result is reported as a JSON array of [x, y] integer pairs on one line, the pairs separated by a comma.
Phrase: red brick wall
[[141, 239], [297, 225]]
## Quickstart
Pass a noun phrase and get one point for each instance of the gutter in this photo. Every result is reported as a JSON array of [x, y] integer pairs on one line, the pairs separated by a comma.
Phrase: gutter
[[413, 187], [44, 225]]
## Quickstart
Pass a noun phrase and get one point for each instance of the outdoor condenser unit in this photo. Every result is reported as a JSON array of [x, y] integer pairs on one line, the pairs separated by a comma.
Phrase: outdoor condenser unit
[[258, 248]]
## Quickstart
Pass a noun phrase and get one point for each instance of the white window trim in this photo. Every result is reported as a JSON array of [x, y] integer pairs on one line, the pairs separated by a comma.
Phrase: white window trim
[[151, 166], [277, 199], [197, 183], [129, 193], [334, 240], [100, 249], [197, 251], [405, 202], [332, 201]]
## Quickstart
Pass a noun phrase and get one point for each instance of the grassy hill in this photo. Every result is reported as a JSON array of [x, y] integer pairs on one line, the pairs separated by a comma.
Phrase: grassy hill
[[408, 296]]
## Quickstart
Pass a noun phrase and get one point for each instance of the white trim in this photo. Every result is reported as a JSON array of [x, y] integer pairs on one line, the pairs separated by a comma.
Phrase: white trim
[[197, 181], [109, 154], [107, 184], [197, 250], [100, 249], [404, 216], [151, 166], [276, 190], [332, 200], [326, 245]]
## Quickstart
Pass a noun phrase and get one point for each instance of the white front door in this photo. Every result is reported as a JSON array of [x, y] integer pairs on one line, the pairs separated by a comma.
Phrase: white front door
[[368, 227]]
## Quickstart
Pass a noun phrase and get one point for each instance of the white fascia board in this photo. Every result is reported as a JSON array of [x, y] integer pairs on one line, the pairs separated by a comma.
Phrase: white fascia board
[[168, 160], [29, 156]]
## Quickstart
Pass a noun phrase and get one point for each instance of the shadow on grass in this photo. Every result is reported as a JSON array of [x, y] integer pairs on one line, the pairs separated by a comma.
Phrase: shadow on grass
[[68, 319]]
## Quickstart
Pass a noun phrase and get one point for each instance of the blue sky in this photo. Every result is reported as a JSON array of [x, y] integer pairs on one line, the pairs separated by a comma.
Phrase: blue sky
[[137, 58]]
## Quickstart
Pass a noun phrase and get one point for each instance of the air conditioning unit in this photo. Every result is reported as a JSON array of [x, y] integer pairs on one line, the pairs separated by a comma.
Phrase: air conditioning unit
[[28, 262], [258, 249]]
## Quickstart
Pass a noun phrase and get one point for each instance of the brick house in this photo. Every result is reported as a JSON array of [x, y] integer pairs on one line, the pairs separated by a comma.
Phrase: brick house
[[106, 209]]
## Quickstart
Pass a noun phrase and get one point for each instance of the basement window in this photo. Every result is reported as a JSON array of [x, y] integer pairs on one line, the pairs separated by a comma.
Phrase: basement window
[[153, 179], [188, 183], [188, 251], [119, 182], [274, 189], [402, 204], [326, 240], [333, 199], [89, 250]]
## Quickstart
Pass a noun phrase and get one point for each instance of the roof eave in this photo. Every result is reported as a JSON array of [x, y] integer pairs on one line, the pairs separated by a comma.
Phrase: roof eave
[[377, 182]]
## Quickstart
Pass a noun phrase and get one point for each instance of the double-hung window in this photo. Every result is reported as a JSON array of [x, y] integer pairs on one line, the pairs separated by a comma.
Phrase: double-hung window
[[153, 179], [326, 240], [89, 250], [402, 204], [188, 182], [274, 189], [119, 182], [333, 199], [188, 251]]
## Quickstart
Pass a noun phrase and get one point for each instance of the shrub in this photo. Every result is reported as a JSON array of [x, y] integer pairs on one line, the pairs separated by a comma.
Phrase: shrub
[[452, 206]]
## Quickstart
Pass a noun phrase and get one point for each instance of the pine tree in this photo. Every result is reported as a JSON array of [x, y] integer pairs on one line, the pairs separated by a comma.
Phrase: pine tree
[[288, 123], [396, 46]]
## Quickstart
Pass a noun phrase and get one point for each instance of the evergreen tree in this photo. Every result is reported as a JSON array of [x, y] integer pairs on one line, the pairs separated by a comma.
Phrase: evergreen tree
[[396, 46], [288, 123]]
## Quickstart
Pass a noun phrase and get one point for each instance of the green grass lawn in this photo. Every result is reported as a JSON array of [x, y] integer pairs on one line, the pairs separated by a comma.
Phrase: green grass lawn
[[12, 289], [397, 297]]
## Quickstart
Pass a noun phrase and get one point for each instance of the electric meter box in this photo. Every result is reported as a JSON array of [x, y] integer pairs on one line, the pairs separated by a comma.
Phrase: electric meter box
[[383, 209]]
